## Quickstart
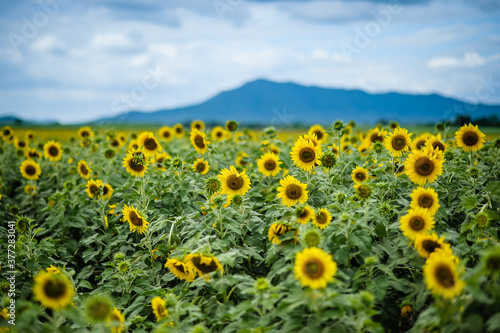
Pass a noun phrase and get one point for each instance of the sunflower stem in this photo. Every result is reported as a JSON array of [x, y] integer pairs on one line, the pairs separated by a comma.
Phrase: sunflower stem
[[170, 233]]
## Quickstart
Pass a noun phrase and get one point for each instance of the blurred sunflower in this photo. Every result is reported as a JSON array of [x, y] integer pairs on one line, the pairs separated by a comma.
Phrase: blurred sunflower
[[52, 150], [198, 141], [425, 198], [30, 169], [150, 145], [136, 163], [31, 153], [416, 222], [30, 189], [178, 130], [441, 275], [107, 192], [53, 291], [85, 132], [198, 125], [242, 159], [136, 221], [398, 142], [234, 182], [314, 268], [218, 133], [424, 165], [20, 144], [269, 164], [93, 187], [278, 229], [435, 141], [430, 243], [116, 321], [304, 214], [166, 134], [291, 191], [376, 135], [469, 138], [320, 133], [311, 137], [420, 141], [201, 166], [322, 218], [83, 169], [160, 159], [305, 155], [158, 305], [359, 175], [203, 265], [180, 269]]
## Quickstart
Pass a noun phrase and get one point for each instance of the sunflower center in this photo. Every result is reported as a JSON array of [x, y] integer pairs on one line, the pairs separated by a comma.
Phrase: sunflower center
[[313, 268], [364, 191], [84, 170], [30, 170], [270, 165], [430, 245], [135, 219], [425, 201], [470, 138], [94, 189], [444, 276], [482, 220], [293, 191], [180, 267], [197, 126], [319, 135], [493, 263], [398, 142], [360, 176], [420, 144], [302, 213], [203, 266], [54, 288], [166, 134], [321, 218], [178, 130], [115, 143], [53, 151], [328, 161], [150, 144], [6, 132], [417, 223], [200, 167], [424, 166], [136, 165], [439, 145], [199, 142], [218, 134], [85, 134], [376, 138], [234, 182], [307, 154], [21, 144], [105, 190]]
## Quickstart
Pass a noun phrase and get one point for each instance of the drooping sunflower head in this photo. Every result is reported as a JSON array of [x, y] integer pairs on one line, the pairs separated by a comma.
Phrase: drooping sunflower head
[[416, 222], [469, 138], [30, 169], [198, 125], [53, 291], [136, 221], [376, 135], [406, 310], [107, 192], [234, 182], [198, 141], [158, 305], [201, 166], [136, 163], [150, 145], [84, 170], [424, 165], [314, 268], [304, 214], [85, 132], [311, 137], [98, 308], [180, 269], [442, 276], [305, 154], [398, 142], [166, 134], [426, 198], [30, 189], [319, 131], [278, 229], [429, 243], [178, 130], [203, 265], [359, 175], [322, 218], [94, 187], [52, 151], [269, 164], [393, 125], [291, 191]]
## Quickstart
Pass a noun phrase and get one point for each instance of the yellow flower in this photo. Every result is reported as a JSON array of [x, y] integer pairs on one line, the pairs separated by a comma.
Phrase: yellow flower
[[116, 321], [291, 191], [359, 175], [31, 153], [322, 218], [269, 164], [20, 144], [469, 138], [52, 150], [53, 270], [314, 268], [319, 132], [107, 192], [416, 222], [435, 141], [30, 189], [219, 134], [425, 198], [166, 134], [398, 142], [429, 243], [54, 291], [136, 221], [85, 132], [180, 269], [420, 141], [30, 169], [441, 275], [376, 135], [159, 308], [159, 159], [93, 187], [203, 265], [136, 163], [150, 145], [234, 182], [305, 154], [84, 170], [198, 141], [178, 130], [201, 166], [197, 124], [424, 165], [304, 214], [277, 230]]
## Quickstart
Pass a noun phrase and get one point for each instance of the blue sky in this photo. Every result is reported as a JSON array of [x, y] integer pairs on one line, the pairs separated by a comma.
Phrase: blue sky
[[72, 61]]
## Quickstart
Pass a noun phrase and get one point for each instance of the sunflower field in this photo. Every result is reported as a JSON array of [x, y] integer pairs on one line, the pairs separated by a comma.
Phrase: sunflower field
[[228, 230]]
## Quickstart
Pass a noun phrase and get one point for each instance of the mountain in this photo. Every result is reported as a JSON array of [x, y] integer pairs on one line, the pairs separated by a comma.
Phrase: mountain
[[270, 103]]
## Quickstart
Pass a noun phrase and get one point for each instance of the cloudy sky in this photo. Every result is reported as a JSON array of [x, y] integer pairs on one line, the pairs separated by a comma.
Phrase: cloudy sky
[[73, 60]]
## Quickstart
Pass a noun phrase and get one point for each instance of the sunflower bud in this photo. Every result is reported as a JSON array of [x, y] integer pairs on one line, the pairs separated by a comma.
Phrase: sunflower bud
[[449, 155], [231, 125], [261, 284], [218, 200], [440, 127], [98, 308], [338, 125], [176, 163], [328, 160], [109, 153], [482, 220], [212, 185], [312, 238], [269, 130], [340, 197], [237, 200], [406, 310], [123, 267], [68, 185], [370, 261], [474, 172], [378, 147], [367, 298]]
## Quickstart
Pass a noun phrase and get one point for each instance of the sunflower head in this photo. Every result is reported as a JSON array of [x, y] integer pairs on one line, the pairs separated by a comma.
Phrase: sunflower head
[[136, 163], [201, 166], [473, 172], [469, 138], [424, 165], [328, 160], [304, 214], [305, 154], [359, 175], [278, 229], [269, 164], [166, 134], [200, 144], [314, 268], [231, 125], [482, 220], [53, 290], [137, 222], [203, 265], [52, 151], [261, 284], [406, 310], [85, 132], [398, 142], [109, 153], [416, 222], [491, 260], [98, 308], [213, 185], [234, 182], [291, 191], [30, 169], [158, 305], [363, 191], [219, 134], [180, 269], [322, 218], [150, 145], [197, 124], [178, 130], [84, 170], [426, 198], [430, 243], [319, 131], [107, 191], [94, 187], [442, 276]]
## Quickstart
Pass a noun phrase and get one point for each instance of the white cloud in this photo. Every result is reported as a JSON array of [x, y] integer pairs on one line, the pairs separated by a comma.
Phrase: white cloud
[[470, 59]]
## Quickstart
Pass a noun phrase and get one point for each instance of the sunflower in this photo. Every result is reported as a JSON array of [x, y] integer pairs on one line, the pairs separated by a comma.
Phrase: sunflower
[[441, 275], [398, 142], [218, 133], [201, 166], [20, 144], [160, 159], [107, 192], [198, 141], [376, 135], [305, 155], [52, 151], [469, 138], [319, 132], [234, 182], [435, 141], [424, 165], [116, 321], [93, 187], [7, 132], [269, 164], [203, 265], [364, 147], [85, 132], [314, 268], [359, 175], [311, 137], [30, 189], [322, 218], [425, 198], [136, 222], [180, 269], [135, 163], [83, 169], [270, 148], [198, 124], [150, 145], [429, 243], [416, 222], [31, 153], [291, 191], [277, 230], [54, 291], [159, 308], [166, 134], [242, 159], [178, 130], [420, 141], [304, 214], [30, 169]]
